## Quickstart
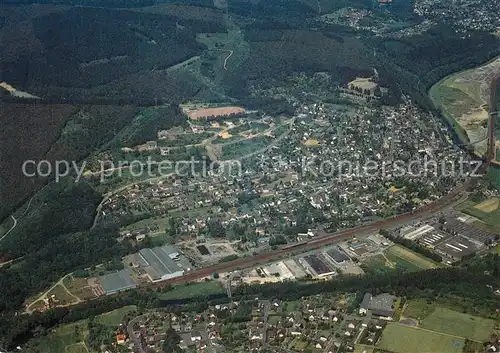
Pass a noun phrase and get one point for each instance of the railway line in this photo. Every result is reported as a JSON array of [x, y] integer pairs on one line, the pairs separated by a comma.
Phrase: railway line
[[424, 212]]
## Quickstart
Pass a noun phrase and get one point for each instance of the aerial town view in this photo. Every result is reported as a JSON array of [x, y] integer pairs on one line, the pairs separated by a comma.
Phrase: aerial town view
[[264, 176]]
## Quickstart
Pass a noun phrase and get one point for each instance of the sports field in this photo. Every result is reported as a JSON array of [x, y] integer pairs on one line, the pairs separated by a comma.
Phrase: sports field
[[405, 339], [452, 322], [411, 257]]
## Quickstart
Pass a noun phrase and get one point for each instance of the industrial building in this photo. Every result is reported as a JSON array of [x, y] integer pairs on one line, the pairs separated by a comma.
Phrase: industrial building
[[381, 305], [159, 264], [117, 282], [337, 255], [317, 265], [456, 248], [475, 235], [432, 239], [417, 233]]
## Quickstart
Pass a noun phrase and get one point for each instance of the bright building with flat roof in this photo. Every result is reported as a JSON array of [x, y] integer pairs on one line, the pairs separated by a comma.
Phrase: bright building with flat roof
[[159, 263], [117, 282]]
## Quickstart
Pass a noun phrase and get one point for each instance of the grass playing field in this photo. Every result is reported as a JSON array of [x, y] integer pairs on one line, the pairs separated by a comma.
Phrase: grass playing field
[[452, 322], [405, 339]]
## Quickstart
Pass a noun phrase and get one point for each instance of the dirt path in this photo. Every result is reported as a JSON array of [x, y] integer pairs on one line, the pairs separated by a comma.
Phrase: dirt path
[[78, 299], [389, 263], [11, 228], [44, 295], [22, 215], [227, 58], [77, 344]]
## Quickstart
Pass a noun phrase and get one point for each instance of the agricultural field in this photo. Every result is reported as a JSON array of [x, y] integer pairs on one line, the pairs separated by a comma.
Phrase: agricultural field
[[358, 348], [193, 290], [65, 339], [403, 255], [405, 339], [155, 224], [123, 177], [71, 338], [454, 323], [79, 347], [114, 318], [419, 308], [487, 211]]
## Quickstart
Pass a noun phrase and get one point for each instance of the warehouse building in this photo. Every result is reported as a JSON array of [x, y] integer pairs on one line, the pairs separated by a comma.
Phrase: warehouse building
[[337, 255], [415, 234], [159, 264], [319, 267], [381, 305], [456, 248], [117, 282]]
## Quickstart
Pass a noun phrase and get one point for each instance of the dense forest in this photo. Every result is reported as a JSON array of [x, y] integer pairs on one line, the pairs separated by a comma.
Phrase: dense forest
[[53, 239], [87, 47], [94, 69], [110, 3]]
